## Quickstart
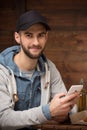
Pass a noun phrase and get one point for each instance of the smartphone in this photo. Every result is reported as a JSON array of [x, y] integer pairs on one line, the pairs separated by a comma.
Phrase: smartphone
[[74, 88]]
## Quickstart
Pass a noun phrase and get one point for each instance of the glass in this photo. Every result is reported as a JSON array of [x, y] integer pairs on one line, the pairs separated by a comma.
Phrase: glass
[[82, 102]]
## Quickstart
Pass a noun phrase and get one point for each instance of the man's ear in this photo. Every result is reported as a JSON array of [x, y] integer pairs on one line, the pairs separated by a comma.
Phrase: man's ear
[[17, 37], [47, 36]]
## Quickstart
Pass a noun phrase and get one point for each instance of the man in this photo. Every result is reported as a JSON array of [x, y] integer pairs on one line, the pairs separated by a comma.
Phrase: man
[[31, 88]]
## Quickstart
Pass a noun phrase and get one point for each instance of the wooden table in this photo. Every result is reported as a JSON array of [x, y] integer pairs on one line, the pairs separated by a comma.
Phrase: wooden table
[[61, 127]]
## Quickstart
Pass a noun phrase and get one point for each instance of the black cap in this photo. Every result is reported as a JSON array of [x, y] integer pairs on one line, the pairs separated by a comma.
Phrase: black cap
[[29, 18]]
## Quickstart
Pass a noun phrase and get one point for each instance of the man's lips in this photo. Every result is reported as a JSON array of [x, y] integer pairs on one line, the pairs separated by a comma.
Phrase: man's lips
[[35, 48]]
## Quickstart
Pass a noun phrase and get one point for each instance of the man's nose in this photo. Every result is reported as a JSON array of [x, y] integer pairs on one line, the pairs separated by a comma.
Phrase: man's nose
[[36, 41]]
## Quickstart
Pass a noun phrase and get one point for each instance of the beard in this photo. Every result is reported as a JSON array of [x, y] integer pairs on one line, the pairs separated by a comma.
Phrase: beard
[[29, 54]]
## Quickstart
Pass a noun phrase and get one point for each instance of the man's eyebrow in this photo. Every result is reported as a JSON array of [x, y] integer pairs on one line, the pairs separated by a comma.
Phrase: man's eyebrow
[[43, 32], [28, 32]]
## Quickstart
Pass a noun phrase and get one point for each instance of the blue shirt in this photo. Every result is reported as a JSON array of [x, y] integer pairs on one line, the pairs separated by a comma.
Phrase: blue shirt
[[29, 92]]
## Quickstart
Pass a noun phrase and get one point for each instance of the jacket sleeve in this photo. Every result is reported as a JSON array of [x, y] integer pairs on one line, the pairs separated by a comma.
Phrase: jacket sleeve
[[57, 84], [11, 119]]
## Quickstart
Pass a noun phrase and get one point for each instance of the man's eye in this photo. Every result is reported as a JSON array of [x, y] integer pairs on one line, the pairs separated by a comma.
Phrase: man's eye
[[29, 35], [42, 35]]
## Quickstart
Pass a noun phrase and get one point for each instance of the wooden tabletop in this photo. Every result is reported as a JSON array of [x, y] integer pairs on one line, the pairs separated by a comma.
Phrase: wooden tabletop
[[61, 127]]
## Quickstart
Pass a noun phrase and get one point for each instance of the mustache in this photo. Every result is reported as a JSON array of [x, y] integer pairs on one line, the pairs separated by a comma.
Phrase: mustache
[[37, 47]]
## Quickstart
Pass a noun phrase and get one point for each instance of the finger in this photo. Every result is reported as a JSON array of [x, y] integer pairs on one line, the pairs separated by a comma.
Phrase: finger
[[60, 95], [66, 106], [70, 97]]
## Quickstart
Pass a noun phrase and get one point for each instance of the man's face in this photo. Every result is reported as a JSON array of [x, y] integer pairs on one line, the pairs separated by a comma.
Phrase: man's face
[[33, 40]]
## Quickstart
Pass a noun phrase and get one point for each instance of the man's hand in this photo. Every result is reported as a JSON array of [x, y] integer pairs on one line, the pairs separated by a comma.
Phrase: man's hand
[[60, 105]]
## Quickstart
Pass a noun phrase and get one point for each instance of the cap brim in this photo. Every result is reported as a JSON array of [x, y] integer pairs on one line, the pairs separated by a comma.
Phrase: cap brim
[[27, 25]]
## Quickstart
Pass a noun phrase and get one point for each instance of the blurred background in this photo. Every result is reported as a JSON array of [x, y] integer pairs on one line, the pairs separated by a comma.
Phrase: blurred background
[[67, 43]]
